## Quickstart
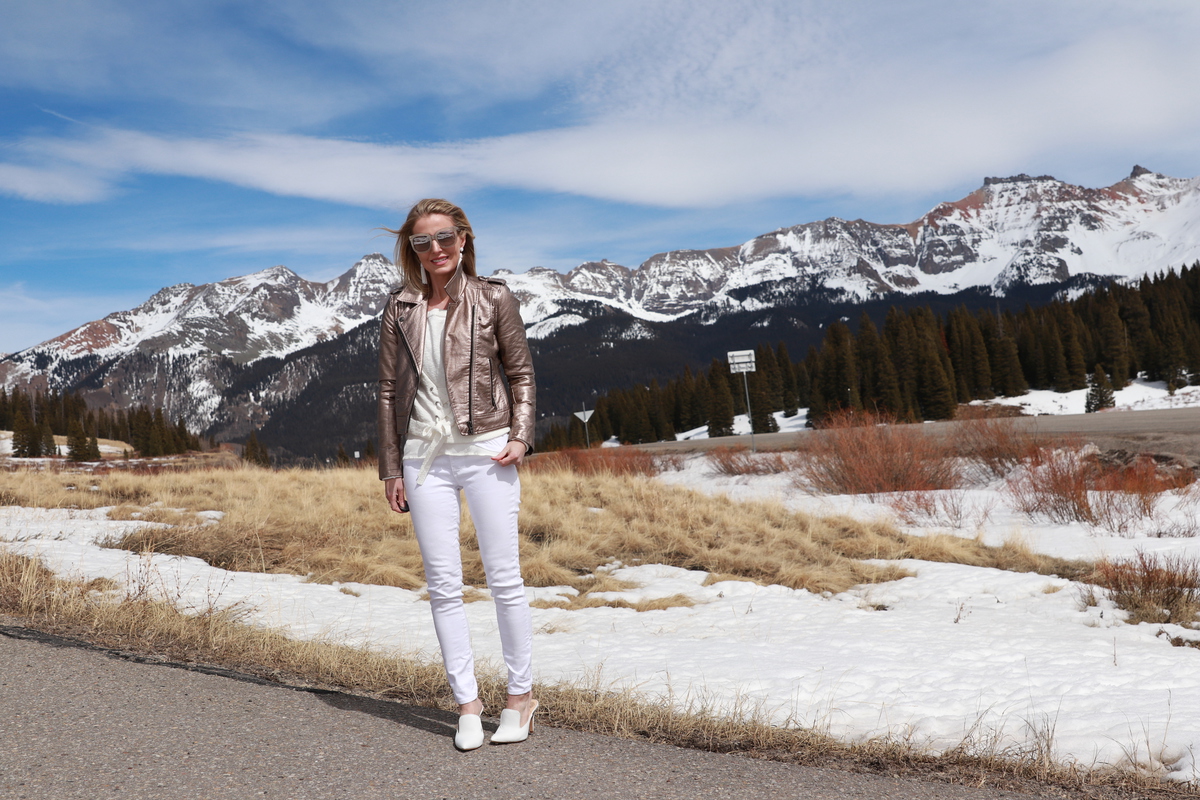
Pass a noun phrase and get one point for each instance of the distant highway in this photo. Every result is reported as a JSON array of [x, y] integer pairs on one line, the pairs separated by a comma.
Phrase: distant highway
[[1171, 430]]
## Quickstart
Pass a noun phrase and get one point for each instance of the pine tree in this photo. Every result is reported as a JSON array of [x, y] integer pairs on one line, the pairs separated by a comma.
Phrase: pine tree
[[890, 402], [1100, 395], [900, 336], [26, 442], [77, 443], [769, 377], [1053, 358], [254, 452], [980, 363], [343, 458], [839, 371], [720, 414], [803, 385], [48, 446], [761, 418], [867, 358], [93, 450], [934, 390], [1072, 350], [701, 402], [787, 375]]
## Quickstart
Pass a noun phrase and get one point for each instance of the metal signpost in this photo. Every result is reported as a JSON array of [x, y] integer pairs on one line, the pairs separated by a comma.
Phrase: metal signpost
[[743, 361], [585, 415]]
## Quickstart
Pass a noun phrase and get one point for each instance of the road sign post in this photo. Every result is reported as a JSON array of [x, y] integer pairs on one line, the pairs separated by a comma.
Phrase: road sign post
[[585, 415], [743, 361]]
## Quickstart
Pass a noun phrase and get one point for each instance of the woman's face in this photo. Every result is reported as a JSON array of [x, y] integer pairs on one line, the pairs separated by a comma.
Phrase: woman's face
[[440, 259]]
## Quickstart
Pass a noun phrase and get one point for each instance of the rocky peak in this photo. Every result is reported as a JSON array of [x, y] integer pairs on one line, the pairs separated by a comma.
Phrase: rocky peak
[[1022, 178]]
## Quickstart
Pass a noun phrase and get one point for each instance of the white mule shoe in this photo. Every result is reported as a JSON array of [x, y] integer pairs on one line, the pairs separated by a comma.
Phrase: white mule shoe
[[511, 730], [470, 732]]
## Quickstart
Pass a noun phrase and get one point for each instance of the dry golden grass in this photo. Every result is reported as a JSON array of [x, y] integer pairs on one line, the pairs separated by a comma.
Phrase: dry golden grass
[[333, 525], [99, 613], [576, 602]]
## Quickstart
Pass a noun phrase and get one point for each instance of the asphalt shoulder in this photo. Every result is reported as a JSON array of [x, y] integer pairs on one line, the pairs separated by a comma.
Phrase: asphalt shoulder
[[80, 721]]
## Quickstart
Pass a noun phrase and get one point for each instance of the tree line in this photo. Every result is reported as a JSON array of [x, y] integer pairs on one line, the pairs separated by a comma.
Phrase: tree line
[[36, 418], [920, 366]]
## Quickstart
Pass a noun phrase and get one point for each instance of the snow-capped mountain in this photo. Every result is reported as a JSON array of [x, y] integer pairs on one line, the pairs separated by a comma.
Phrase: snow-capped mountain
[[1018, 230], [228, 355], [268, 313], [177, 348]]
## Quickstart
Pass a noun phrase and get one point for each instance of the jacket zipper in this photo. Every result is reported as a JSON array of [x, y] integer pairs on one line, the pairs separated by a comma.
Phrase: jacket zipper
[[471, 380]]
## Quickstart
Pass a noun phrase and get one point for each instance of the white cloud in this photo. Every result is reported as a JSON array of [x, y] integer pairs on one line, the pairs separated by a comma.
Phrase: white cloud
[[59, 184], [680, 104]]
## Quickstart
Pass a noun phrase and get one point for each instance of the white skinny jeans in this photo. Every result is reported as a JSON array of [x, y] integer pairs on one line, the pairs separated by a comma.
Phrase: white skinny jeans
[[493, 497]]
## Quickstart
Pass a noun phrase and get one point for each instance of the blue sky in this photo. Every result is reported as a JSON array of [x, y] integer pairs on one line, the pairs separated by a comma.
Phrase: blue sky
[[144, 144]]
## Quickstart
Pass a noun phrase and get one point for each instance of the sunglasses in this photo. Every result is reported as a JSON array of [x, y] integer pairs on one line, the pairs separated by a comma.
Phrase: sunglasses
[[421, 242]]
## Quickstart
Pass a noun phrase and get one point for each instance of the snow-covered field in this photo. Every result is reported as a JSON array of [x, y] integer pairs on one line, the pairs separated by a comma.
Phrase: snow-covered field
[[951, 654], [1140, 395]]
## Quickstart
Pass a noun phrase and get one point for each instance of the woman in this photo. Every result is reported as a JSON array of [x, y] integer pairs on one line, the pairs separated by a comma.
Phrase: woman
[[447, 422]]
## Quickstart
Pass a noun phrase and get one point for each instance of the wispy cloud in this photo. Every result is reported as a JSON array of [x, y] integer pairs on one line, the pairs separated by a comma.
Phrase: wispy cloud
[[671, 104]]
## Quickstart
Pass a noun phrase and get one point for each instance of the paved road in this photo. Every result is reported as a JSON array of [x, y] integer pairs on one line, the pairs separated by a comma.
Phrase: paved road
[[1173, 430], [77, 722]]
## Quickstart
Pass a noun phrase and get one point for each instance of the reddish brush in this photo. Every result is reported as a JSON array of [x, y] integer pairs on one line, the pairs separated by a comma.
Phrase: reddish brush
[[610, 460], [1072, 485], [996, 444], [863, 453], [740, 461]]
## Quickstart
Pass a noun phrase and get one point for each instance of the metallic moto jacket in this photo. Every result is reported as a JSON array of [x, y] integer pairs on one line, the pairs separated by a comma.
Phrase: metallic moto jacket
[[484, 333]]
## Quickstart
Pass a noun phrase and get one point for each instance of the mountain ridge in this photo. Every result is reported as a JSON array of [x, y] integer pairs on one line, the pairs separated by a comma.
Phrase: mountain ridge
[[228, 355]]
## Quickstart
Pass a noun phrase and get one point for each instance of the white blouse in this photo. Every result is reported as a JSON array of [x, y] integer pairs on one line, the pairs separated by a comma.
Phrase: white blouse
[[431, 429]]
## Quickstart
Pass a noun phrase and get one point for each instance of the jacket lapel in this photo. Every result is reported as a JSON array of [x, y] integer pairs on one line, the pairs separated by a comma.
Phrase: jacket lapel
[[412, 327]]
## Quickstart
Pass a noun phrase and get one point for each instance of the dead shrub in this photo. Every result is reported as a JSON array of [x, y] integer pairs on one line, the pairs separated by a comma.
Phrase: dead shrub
[[734, 461], [1142, 479], [864, 453], [609, 460], [1076, 485], [995, 445], [1055, 485], [670, 462], [1153, 587], [947, 507]]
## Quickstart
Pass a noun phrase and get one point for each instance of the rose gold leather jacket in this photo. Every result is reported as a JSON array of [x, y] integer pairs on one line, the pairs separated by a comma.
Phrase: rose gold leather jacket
[[484, 333]]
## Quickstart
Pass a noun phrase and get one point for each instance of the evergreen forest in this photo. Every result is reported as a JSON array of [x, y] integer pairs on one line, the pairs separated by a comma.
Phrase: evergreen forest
[[36, 418], [919, 365]]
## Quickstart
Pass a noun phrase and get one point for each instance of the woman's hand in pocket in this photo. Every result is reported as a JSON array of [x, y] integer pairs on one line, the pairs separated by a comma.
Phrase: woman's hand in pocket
[[512, 454]]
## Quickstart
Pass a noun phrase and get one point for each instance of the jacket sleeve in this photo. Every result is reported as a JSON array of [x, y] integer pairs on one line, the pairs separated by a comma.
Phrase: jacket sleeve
[[391, 448], [518, 367]]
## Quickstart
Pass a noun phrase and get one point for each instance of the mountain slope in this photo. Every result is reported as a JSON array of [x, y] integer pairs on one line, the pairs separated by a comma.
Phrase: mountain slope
[[1011, 231], [234, 355]]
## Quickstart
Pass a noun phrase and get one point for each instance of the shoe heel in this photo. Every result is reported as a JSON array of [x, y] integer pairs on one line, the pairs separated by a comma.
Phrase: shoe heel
[[511, 730]]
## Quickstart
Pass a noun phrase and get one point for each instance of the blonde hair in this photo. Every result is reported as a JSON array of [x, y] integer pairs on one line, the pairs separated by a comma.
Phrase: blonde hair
[[406, 258]]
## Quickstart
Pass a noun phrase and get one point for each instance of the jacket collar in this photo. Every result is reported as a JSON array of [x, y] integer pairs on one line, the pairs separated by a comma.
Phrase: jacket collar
[[454, 288]]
